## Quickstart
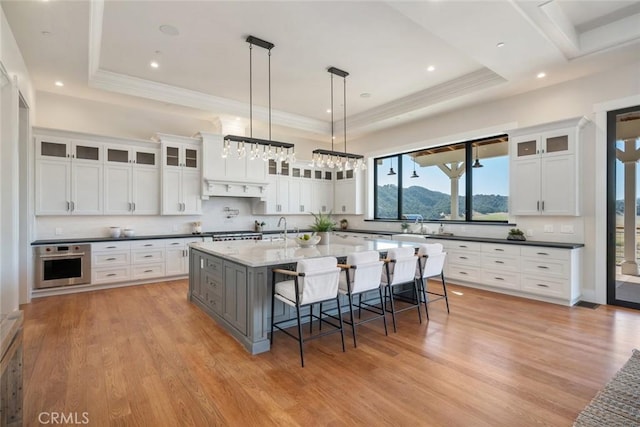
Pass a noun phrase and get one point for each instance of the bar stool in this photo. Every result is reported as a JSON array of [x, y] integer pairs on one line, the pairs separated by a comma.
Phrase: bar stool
[[431, 258], [362, 273], [400, 269], [314, 281]]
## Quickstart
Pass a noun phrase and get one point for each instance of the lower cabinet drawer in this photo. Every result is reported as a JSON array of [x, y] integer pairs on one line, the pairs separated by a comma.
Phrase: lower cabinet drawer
[[213, 284], [502, 263], [147, 256], [110, 274], [111, 258], [501, 279], [147, 271], [546, 267], [464, 258], [462, 272], [214, 266], [545, 286]]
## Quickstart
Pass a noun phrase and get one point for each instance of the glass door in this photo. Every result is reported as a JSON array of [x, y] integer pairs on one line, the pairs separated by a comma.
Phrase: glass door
[[623, 175]]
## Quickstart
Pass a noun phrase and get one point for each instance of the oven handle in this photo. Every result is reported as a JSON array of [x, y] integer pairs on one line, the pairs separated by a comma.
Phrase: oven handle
[[71, 255]]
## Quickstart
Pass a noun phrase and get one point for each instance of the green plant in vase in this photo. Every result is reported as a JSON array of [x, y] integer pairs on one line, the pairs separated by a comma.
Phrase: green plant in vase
[[323, 225], [404, 226], [516, 234]]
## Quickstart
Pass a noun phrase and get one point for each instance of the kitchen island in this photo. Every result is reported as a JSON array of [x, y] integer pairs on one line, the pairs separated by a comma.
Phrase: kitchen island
[[231, 281]]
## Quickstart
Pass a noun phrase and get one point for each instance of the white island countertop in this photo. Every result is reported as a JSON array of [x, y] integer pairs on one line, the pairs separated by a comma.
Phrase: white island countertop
[[260, 253]]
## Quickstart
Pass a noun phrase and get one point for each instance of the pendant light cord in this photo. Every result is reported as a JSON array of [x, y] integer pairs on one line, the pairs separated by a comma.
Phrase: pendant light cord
[[344, 121], [332, 134], [250, 92], [269, 94]]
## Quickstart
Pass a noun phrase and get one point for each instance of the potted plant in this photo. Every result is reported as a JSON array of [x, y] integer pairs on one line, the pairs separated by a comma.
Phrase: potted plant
[[323, 225], [516, 234], [404, 226], [344, 224], [257, 226]]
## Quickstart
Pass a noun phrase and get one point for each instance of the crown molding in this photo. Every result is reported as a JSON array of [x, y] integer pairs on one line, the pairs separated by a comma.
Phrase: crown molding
[[464, 85]]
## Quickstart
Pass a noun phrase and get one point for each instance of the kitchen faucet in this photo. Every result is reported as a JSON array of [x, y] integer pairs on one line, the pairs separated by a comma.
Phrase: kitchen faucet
[[285, 226]]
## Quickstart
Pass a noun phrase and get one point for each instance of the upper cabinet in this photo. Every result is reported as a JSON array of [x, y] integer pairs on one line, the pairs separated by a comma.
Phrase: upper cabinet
[[181, 175], [69, 176], [544, 168], [84, 174], [349, 192], [233, 175]]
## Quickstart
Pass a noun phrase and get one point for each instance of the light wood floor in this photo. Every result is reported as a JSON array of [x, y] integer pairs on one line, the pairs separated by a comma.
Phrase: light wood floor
[[144, 356]]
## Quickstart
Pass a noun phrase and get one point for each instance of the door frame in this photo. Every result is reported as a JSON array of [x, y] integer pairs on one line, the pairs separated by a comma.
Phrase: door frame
[[611, 208]]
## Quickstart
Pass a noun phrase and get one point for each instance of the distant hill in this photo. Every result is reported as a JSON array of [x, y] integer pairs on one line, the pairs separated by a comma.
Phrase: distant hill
[[432, 204]]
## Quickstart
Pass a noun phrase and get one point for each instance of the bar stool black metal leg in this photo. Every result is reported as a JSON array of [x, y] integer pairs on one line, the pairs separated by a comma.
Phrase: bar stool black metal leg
[[300, 340], [273, 300], [423, 284], [393, 309], [320, 325], [384, 314], [415, 289], [311, 317], [341, 323], [353, 322], [444, 287]]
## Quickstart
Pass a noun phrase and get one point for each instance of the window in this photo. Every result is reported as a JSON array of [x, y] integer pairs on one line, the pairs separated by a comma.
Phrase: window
[[466, 181]]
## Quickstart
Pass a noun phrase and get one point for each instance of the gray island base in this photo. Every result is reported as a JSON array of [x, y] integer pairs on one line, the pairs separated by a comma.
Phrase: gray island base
[[231, 281]]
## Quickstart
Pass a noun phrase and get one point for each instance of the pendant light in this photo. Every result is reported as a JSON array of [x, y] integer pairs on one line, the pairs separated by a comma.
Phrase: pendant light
[[391, 171], [332, 158], [477, 164], [414, 174], [276, 150]]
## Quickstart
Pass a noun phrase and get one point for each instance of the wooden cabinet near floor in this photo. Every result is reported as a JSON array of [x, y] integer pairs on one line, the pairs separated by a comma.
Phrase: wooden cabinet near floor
[[11, 392]]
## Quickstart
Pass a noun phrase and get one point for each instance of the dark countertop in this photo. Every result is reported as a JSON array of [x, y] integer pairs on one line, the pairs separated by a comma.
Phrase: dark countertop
[[123, 239], [507, 242]]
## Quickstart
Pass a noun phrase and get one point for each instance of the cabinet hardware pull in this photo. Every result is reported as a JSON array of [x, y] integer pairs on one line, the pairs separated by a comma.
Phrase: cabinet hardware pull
[[543, 205], [498, 278], [73, 206], [175, 243], [538, 205], [462, 246], [541, 285], [499, 262], [462, 272], [134, 206], [541, 253], [463, 257], [148, 271], [148, 256], [111, 259], [148, 244], [68, 206], [111, 247], [499, 250], [543, 267], [111, 274]]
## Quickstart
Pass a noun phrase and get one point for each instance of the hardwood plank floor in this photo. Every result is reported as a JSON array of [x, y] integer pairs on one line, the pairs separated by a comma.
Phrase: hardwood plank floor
[[145, 356]]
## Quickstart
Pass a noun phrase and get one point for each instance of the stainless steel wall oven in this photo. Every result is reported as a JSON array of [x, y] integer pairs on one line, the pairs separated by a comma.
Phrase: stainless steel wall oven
[[62, 265]]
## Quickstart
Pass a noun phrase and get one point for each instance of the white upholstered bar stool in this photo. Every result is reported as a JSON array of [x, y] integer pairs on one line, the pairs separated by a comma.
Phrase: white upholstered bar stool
[[400, 269], [314, 281], [362, 273], [431, 258]]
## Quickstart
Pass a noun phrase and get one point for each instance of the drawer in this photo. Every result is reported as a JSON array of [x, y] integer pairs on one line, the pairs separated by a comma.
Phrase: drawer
[[464, 258], [108, 275], [501, 279], [545, 286], [497, 249], [213, 284], [111, 258], [460, 272], [501, 262], [213, 265], [546, 253], [147, 271], [110, 246], [148, 244], [453, 245], [543, 267], [147, 256]]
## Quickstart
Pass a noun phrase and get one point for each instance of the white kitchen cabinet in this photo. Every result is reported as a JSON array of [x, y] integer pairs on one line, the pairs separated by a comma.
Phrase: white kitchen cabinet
[[276, 199], [348, 193], [545, 167], [132, 181], [177, 256], [181, 175], [69, 176], [232, 176]]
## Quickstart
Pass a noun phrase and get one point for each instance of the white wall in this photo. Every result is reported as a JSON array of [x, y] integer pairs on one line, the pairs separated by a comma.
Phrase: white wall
[[11, 248]]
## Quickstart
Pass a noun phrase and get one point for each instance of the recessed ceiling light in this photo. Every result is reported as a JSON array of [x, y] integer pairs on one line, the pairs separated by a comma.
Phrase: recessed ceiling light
[[154, 64], [365, 95], [237, 118], [541, 75], [169, 30], [431, 68], [59, 83], [501, 44], [328, 110]]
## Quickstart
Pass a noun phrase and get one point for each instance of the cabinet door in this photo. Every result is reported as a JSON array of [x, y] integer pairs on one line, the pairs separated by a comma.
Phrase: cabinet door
[[235, 295], [323, 196], [525, 147], [343, 198], [175, 261], [53, 188], [558, 143], [558, 195], [191, 157], [191, 188], [306, 196], [171, 191], [145, 190], [525, 187], [86, 188], [117, 189], [295, 205], [282, 189]]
